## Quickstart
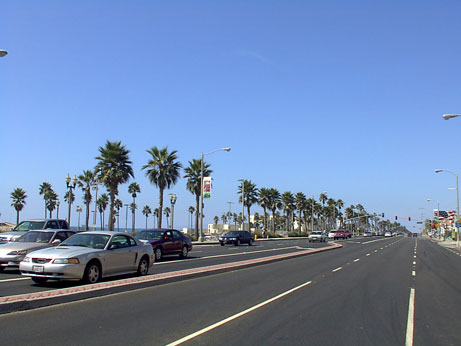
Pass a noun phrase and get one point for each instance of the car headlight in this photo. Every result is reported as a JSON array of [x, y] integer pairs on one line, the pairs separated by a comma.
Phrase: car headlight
[[26, 259], [18, 252], [66, 261]]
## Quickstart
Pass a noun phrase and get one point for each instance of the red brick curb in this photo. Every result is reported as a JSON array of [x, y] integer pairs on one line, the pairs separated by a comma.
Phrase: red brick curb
[[40, 299]]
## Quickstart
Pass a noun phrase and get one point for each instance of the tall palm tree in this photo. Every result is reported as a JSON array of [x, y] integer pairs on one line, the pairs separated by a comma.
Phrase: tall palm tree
[[263, 201], [216, 220], [18, 197], [42, 190], [288, 202], [133, 189], [156, 213], [146, 212], [300, 201], [113, 168], [51, 199], [118, 205], [193, 184], [86, 181], [323, 198], [102, 202], [167, 212], [274, 204], [162, 169], [249, 196], [339, 204], [133, 207]]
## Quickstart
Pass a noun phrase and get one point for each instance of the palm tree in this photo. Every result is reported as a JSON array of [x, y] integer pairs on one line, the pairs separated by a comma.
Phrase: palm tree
[[249, 197], [191, 212], [300, 201], [133, 189], [114, 168], [274, 204], [224, 218], [51, 198], [288, 202], [42, 190], [339, 204], [193, 184], [156, 213], [102, 202], [18, 197], [216, 220], [146, 212], [118, 205], [263, 201], [167, 212], [323, 198], [86, 181], [133, 208], [163, 171]]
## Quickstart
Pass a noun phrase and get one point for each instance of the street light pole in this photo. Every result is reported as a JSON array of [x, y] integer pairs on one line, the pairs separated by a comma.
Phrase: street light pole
[[173, 198], [457, 202], [79, 211], [201, 188], [95, 187], [57, 205], [450, 116], [229, 215], [70, 187], [126, 217], [243, 204]]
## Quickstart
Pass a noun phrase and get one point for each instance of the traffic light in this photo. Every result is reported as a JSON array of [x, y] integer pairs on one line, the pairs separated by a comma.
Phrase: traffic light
[[396, 217], [409, 218], [383, 214]]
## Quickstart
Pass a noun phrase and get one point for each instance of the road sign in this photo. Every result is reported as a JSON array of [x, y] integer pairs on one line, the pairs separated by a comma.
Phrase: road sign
[[206, 187], [458, 224]]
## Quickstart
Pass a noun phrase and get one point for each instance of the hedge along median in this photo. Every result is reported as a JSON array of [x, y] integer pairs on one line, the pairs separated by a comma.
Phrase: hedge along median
[[64, 295]]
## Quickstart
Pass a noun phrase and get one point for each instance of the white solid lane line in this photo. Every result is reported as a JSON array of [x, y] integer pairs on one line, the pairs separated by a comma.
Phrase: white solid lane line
[[356, 260], [16, 279], [410, 321], [233, 317], [335, 270]]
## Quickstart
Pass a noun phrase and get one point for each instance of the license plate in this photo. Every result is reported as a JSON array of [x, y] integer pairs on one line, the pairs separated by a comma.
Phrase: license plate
[[37, 269]]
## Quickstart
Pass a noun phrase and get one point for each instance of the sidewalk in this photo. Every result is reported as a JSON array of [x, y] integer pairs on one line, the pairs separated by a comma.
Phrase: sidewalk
[[449, 244]]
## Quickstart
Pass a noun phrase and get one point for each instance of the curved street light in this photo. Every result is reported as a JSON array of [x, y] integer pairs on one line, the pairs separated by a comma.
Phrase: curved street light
[[201, 188], [457, 201], [70, 186], [3, 53], [450, 116]]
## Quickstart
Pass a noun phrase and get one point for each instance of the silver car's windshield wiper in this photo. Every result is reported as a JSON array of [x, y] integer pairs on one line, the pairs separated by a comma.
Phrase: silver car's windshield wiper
[[82, 245]]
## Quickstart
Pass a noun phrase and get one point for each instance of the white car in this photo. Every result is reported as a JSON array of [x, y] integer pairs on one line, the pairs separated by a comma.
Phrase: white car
[[388, 234], [89, 256], [317, 236], [332, 234]]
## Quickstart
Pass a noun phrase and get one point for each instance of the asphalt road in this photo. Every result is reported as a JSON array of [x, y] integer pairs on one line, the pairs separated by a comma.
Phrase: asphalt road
[[357, 295]]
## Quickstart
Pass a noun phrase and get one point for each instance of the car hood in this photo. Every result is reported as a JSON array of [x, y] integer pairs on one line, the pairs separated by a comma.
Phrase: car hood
[[64, 251], [12, 234], [16, 246]]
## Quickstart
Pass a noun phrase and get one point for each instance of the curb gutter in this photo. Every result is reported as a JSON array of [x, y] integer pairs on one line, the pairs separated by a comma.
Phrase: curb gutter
[[65, 295]]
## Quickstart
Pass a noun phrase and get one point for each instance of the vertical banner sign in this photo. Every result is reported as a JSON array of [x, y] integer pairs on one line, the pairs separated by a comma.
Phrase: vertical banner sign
[[206, 187]]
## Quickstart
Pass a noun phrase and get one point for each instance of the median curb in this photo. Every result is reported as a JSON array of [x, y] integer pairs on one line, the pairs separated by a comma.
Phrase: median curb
[[65, 295]]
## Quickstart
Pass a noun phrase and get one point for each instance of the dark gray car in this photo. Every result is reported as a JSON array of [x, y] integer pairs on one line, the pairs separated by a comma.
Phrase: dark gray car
[[236, 238]]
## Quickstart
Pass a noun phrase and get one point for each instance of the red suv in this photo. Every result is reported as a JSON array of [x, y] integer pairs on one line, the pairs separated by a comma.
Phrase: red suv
[[167, 242]]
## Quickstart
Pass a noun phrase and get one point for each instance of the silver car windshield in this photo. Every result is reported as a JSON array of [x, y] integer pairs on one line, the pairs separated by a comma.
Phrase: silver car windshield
[[95, 241], [28, 225], [35, 237]]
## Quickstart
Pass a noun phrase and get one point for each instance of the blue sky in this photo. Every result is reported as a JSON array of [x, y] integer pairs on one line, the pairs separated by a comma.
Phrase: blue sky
[[312, 96]]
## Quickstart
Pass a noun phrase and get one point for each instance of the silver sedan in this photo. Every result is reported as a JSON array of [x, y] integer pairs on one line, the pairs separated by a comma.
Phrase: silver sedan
[[89, 256]]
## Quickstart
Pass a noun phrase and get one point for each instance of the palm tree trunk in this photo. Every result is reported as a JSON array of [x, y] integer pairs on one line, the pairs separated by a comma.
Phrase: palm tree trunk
[[249, 225], [160, 206], [87, 216], [17, 217], [133, 216], [111, 211]]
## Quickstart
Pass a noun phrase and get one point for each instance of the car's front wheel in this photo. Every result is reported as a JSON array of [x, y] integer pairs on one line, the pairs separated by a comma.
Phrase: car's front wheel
[[143, 266], [222, 244], [158, 254], [92, 273], [250, 243], [237, 242], [39, 281], [184, 252]]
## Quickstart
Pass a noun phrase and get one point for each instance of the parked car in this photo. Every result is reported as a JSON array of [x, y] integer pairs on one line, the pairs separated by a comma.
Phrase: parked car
[[28, 225], [13, 253], [89, 256], [317, 236], [367, 234], [388, 234], [167, 242], [347, 233], [236, 238]]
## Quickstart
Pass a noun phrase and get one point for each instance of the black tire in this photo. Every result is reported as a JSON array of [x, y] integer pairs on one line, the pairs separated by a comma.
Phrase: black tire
[[158, 254], [184, 252], [2, 269], [143, 266], [92, 273], [39, 281], [250, 243], [222, 244], [237, 242]]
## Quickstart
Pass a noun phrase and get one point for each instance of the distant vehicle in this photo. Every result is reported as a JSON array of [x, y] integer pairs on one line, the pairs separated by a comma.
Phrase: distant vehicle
[[28, 225], [347, 233], [13, 253], [317, 236], [167, 242], [388, 234], [415, 234], [89, 256], [236, 238], [338, 234], [367, 234]]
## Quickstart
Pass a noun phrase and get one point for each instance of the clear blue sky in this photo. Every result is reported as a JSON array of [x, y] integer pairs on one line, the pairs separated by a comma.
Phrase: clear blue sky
[[339, 96]]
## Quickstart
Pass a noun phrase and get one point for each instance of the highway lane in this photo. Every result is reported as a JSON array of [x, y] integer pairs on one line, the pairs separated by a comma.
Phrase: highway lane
[[357, 295], [12, 283]]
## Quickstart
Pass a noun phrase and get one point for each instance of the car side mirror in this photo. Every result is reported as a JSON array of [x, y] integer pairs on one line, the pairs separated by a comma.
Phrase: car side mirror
[[56, 242], [114, 246]]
